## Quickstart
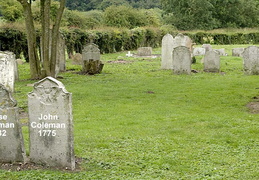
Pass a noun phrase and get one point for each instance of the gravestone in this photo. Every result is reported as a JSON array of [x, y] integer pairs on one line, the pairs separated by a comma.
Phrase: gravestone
[[91, 59], [181, 40], [198, 51], [144, 51], [211, 61], [51, 124], [182, 60], [77, 59], [221, 52], [11, 139], [207, 47], [167, 48], [251, 60], [8, 70], [237, 51]]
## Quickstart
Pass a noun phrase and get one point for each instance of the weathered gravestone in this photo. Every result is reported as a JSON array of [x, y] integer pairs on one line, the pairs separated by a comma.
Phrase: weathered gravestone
[[144, 51], [212, 61], [207, 47], [221, 52], [237, 51], [182, 60], [8, 70], [167, 48], [181, 40], [198, 51], [51, 124], [11, 139], [91, 59], [251, 60], [77, 59]]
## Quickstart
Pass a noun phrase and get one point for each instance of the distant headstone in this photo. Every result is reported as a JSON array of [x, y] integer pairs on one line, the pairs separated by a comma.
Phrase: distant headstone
[[51, 124], [8, 70], [207, 47], [251, 60], [77, 59], [11, 139], [212, 61], [221, 52], [237, 51], [144, 51], [91, 59], [181, 40], [167, 48], [198, 51], [182, 60]]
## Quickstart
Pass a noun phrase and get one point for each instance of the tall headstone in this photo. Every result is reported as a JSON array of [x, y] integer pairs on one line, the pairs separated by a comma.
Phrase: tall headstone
[[251, 60], [212, 61], [182, 60], [144, 51], [8, 70], [11, 139], [61, 54], [91, 59], [167, 48], [51, 124]]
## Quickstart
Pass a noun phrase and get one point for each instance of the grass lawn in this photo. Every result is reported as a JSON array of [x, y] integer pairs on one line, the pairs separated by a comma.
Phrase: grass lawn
[[136, 121]]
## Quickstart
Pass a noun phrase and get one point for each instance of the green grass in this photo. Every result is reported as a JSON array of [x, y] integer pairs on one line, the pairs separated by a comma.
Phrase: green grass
[[135, 121]]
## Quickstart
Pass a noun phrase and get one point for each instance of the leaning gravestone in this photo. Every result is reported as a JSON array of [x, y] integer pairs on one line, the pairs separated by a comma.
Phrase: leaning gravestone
[[91, 59], [11, 139], [8, 70], [167, 48], [51, 124], [182, 60], [144, 51], [251, 60], [212, 61]]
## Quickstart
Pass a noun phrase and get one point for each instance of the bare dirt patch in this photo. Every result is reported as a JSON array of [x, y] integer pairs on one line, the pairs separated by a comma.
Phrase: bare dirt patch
[[254, 105]]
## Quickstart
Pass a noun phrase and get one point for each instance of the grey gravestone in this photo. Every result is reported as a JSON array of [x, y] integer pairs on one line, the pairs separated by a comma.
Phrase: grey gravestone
[[8, 70], [77, 59], [221, 52], [144, 51], [237, 51], [207, 47], [167, 48], [91, 51], [251, 60], [181, 40], [11, 139], [51, 124], [212, 61], [198, 51], [182, 60]]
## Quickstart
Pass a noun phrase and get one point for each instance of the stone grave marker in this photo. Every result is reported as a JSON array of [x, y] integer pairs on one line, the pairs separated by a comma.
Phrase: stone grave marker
[[251, 60], [91, 59], [212, 61], [221, 51], [8, 70], [77, 59], [11, 139], [167, 48], [144, 51], [51, 124], [198, 51], [237, 51], [182, 60], [207, 47]]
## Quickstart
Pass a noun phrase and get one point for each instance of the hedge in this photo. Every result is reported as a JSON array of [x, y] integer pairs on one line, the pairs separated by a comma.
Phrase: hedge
[[114, 40]]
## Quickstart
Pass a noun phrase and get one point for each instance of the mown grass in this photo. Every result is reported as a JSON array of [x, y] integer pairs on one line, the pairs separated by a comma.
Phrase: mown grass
[[135, 121]]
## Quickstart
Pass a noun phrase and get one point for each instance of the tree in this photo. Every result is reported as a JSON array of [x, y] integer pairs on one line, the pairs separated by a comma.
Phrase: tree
[[49, 38]]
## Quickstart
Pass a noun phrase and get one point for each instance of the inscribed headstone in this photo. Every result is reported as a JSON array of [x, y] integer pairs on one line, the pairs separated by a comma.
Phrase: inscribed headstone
[[51, 124], [11, 139], [144, 51], [212, 61], [167, 48], [251, 60], [182, 60], [8, 70], [91, 51]]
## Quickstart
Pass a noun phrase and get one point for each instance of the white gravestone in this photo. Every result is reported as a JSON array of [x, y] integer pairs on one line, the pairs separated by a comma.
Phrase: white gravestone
[[167, 48], [11, 139], [212, 61], [51, 124], [8, 70], [251, 60], [198, 51], [182, 60], [237, 51]]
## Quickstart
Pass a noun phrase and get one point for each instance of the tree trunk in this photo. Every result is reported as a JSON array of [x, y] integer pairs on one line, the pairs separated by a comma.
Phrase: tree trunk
[[35, 69]]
